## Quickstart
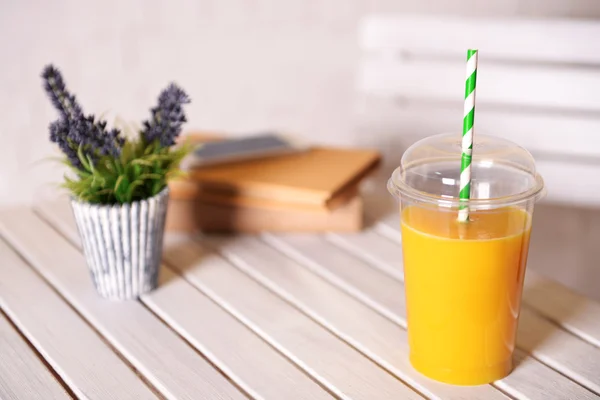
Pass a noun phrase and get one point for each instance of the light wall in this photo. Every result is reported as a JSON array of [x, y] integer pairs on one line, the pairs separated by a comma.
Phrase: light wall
[[248, 65]]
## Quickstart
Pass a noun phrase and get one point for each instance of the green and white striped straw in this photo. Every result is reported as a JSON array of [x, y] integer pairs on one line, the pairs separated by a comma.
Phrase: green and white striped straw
[[467, 136]]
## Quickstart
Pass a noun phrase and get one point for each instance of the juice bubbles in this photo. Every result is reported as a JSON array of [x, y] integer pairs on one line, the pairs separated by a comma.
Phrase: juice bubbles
[[463, 290], [464, 279]]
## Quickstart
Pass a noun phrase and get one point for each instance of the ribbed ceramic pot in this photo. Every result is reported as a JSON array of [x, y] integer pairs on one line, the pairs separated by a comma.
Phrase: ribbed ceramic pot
[[123, 244]]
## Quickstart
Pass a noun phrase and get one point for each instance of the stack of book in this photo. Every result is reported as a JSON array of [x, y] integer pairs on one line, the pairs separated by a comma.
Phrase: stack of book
[[310, 191]]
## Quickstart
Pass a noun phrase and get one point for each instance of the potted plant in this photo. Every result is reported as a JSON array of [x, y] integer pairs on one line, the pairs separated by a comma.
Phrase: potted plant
[[118, 186]]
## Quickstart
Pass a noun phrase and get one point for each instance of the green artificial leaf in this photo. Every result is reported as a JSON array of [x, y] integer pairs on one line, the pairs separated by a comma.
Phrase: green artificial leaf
[[141, 171], [82, 158], [122, 190]]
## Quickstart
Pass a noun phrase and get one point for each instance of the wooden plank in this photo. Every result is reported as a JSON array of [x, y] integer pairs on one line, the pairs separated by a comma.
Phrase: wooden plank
[[331, 362], [542, 133], [560, 350], [543, 382], [550, 40], [22, 373], [348, 273], [370, 333], [576, 177], [249, 361], [572, 166], [134, 331], [226, 342], [563, 306], [442, 79], [387, 231], [568, 255], [567, 180], [568, 354], [213, 275], [59, 215], [369, 237], [77, 354], [316, 252]]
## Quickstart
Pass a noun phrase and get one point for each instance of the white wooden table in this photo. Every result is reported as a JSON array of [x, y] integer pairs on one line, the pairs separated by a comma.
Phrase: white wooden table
[[260, 317]]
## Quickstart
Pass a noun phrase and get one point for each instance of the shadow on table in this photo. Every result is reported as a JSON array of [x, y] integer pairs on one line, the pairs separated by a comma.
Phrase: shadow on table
[[535, 332], [565, 246], [182, 253]]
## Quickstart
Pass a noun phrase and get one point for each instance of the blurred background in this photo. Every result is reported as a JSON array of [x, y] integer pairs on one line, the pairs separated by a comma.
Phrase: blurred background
[[320, 70]]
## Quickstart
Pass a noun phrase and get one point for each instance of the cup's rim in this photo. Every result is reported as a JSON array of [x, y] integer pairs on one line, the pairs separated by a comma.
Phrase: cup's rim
[[400, 189]]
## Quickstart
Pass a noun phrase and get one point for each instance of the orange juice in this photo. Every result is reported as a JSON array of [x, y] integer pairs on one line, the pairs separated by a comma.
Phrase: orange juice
[[463, 290]]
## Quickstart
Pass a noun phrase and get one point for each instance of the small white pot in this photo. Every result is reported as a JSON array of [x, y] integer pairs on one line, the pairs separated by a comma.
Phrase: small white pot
[[123, 244]]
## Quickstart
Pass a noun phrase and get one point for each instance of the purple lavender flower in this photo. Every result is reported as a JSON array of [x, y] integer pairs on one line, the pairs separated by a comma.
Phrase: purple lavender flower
[[74, 130], [89, 135], [59, 134], [94, 137], [167, 117], [55, 86]]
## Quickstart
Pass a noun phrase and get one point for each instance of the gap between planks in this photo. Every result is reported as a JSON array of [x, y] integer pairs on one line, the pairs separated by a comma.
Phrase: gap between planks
[[21, 360]]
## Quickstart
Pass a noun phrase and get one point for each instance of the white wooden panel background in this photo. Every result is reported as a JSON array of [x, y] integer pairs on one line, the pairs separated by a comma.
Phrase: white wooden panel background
[[535, 85], [294, 66], [529, 39], [248, 65]]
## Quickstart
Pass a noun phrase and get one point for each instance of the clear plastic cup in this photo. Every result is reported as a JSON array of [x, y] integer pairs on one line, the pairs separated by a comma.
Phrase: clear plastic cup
[[464, 279]]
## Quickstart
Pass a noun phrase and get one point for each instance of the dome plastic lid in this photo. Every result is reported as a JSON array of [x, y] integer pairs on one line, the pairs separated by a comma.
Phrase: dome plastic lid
[[502, 173]]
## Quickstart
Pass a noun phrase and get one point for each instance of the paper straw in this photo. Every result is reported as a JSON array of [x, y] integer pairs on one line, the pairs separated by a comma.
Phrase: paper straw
[[467, 136]]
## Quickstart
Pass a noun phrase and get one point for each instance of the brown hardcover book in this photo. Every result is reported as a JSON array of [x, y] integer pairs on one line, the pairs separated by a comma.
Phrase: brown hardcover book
[[189, 190], [195, 216], [312, 177], [318, 179]]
